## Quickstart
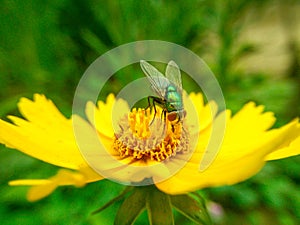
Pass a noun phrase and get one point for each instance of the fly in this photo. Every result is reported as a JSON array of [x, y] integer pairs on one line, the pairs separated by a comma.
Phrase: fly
[[169, 91]]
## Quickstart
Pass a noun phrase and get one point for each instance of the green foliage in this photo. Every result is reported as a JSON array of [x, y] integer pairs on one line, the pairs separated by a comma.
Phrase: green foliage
[[158, 206], [45, 48]]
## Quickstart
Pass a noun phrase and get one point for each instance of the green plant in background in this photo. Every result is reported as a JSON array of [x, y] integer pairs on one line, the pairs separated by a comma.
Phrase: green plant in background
[[46, 46]]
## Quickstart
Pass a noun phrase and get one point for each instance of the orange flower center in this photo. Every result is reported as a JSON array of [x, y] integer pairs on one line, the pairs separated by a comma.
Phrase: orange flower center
[[144, 136]]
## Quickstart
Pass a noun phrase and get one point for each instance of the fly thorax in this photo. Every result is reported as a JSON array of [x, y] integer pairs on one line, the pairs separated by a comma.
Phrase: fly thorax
[[173, 99]]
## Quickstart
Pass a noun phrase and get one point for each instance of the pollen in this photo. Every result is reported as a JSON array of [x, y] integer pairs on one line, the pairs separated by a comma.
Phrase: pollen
[[145, 136]]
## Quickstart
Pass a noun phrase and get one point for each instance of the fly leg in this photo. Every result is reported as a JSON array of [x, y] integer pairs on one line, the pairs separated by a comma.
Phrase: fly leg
[[182, 115], [154, 100], [164, 119], [164, 115], [149, 104]]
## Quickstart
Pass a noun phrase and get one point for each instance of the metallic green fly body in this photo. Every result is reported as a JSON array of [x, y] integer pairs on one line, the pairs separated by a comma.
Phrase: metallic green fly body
[[169, 91]]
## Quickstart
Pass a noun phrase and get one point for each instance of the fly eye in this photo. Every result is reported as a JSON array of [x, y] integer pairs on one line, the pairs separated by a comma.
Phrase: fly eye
[[172, 116]]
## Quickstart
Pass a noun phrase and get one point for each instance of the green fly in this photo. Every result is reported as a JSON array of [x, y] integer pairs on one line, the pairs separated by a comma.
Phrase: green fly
[[169, 91]]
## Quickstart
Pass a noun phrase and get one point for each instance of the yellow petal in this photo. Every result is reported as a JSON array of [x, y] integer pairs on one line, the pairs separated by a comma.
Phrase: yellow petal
[[107, 114], [248, 124], [290, 147], [29, 182], [239, 157], [93, 147], [43, 187], [46, 134], [206, 112], [36, 193]]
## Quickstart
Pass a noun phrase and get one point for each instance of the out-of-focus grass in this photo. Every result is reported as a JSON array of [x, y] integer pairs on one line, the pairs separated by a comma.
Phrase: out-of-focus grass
[[46, 46]]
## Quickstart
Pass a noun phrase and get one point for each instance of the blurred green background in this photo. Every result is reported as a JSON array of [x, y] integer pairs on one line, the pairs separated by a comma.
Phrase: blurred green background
[[252, 47]]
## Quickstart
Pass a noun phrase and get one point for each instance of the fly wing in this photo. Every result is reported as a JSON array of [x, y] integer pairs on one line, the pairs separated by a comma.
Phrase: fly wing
[[173, 75], [159, 82]]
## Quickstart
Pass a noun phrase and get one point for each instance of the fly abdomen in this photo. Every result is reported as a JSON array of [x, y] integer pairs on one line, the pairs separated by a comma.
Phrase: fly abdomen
[[176, 116]]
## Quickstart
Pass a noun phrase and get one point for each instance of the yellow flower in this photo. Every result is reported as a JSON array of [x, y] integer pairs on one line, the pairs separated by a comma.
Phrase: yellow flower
[[47, 135]]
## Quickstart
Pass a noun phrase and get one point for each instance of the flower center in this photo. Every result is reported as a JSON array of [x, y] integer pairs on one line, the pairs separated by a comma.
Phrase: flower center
[[144, 136]]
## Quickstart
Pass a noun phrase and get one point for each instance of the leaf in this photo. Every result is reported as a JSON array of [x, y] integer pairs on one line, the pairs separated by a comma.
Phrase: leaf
[[131, 208], [119, 197], [159, 208], [191, 208]]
